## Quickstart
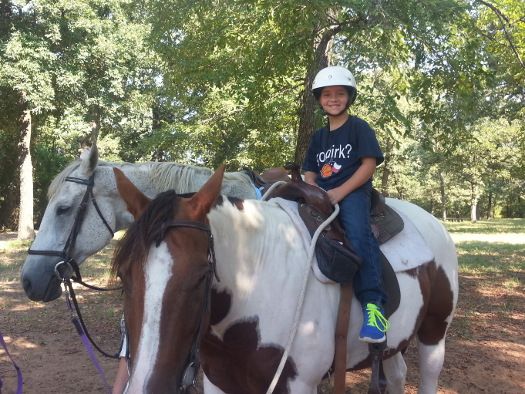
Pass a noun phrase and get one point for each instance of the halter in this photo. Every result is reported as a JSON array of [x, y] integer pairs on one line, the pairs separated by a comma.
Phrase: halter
[[66, 253], [189, 376]]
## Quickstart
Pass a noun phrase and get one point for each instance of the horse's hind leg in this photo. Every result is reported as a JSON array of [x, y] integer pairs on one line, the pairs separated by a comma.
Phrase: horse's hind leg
[[431, 358], [431, 333], [395, 370], [210, 388]]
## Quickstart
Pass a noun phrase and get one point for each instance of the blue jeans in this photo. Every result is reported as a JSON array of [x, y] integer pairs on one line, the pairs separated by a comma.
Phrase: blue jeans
[[354, 215]]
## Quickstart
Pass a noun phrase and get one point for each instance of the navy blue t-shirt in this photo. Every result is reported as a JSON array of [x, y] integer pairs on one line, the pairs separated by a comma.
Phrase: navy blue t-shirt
[[336, 155]]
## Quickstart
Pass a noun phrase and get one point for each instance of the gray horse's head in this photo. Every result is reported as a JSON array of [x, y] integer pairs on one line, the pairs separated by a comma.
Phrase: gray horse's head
[[66, 193]]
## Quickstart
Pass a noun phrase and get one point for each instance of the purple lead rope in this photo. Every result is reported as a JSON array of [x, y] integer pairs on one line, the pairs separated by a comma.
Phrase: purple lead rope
[[20, 384], [91, 352], [85, 340]]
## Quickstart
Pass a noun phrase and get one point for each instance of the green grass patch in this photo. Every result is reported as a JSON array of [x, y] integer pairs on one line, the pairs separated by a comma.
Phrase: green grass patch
[[478, 257], [494, 226]]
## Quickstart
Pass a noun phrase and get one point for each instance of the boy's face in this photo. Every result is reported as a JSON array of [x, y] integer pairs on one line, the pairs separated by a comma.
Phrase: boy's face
[[334, 99]]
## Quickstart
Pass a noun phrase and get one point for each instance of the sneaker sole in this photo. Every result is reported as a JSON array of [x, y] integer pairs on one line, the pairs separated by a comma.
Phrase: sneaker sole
[[372, 340]]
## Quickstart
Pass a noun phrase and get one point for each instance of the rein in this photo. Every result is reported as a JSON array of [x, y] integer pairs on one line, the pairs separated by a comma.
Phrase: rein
[[68, 269], [19, 377], [300, 301]]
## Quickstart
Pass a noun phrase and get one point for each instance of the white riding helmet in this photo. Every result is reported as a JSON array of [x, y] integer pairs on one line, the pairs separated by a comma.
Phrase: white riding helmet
[[335, 76]]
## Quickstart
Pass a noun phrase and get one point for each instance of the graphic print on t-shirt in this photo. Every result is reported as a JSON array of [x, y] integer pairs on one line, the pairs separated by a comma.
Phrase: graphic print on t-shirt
[[329, 169], [331, 166]]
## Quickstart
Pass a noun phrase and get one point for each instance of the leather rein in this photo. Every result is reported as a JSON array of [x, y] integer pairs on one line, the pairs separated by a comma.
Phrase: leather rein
[[68, 269]]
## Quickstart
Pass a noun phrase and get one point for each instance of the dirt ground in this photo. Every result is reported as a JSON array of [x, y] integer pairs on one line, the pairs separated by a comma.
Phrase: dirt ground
[[485, 347]]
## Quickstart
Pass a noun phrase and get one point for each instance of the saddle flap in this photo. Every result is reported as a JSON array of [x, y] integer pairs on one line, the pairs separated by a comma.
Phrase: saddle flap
[[335, 258], [385, 223]]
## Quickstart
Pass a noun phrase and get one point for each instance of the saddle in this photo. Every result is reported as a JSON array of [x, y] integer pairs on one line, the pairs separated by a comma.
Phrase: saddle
[[335, 256], [267, 178]]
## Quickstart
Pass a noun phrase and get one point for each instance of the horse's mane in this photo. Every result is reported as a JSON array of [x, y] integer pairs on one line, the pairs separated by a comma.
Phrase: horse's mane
[[182, 178], [59, 179], [147, 229]]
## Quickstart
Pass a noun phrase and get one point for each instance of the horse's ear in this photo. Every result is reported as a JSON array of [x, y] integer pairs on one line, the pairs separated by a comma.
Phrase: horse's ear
[[135, 200], [89, 160], [203, 200]]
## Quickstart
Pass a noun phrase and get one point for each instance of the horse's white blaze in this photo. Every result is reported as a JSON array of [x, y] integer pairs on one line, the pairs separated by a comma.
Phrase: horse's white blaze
[[158, 270]]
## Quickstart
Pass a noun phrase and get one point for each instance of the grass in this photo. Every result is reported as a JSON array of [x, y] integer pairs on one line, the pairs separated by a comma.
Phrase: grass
[[491, 256], [494, 226], [492, 260], [12, 254]]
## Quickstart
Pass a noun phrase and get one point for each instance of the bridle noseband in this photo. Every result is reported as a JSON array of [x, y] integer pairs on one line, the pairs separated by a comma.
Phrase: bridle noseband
[[61, 268]]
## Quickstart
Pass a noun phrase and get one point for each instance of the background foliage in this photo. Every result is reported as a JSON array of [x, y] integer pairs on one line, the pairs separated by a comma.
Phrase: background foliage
[[224, 81]]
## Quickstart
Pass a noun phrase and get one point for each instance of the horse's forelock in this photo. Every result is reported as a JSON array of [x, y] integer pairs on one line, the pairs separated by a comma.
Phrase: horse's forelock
[[60, 178], [135, 245], [62, 175]]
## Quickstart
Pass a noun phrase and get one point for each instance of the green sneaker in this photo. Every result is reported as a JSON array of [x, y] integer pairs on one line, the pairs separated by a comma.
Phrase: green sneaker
[[375, 325]]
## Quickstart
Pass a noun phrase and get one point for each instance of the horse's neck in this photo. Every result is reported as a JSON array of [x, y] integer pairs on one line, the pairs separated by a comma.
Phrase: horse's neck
[[261, 250]]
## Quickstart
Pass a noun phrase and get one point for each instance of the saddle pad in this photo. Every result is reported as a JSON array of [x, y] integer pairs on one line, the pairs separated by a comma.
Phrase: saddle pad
[[407, 249]]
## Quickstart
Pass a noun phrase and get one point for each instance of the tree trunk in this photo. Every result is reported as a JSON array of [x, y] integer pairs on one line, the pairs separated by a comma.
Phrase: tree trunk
[[443, 192], [25, 215], [385, 176], [308, 102], [474, 203], [489, 207]]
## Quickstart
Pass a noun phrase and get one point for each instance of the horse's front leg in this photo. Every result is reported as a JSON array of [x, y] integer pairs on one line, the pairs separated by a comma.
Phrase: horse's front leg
[[395, 370]]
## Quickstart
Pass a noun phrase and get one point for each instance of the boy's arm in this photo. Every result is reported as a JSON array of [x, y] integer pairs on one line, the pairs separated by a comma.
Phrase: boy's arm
[[310, 177], [363, 174]]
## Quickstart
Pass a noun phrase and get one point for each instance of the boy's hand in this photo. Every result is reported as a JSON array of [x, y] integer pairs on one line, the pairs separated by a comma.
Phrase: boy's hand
[[336, 195]]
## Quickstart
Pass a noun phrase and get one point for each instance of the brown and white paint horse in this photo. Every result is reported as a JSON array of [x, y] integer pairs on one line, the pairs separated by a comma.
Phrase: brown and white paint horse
[[260, 259]]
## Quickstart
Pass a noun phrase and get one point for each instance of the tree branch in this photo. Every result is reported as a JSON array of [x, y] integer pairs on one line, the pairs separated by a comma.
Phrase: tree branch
[[504, 21]]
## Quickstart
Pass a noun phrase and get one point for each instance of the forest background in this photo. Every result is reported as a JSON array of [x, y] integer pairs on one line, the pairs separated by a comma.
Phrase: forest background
[[212, 81]]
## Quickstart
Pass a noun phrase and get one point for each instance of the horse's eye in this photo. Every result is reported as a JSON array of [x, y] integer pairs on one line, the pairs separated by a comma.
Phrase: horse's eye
[[62, 210]]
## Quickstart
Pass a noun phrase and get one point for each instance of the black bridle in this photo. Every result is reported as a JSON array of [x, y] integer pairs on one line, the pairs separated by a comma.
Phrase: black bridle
[[66, 253], [67, 269], [189, 376]]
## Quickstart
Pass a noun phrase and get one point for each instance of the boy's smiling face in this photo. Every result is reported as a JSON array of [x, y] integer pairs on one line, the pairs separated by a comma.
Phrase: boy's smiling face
[[334, 100]]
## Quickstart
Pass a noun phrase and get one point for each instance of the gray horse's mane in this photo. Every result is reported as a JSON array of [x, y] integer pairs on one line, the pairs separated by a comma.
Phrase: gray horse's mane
[[165, 175], [180, 177]]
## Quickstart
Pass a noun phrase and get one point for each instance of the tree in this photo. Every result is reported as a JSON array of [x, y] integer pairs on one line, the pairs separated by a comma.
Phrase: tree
[[84, 69], [26, 71]]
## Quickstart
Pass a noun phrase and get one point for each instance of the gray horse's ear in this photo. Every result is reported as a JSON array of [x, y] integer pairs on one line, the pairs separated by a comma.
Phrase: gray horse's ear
[[203, 200], [89, 160]]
